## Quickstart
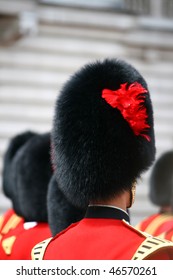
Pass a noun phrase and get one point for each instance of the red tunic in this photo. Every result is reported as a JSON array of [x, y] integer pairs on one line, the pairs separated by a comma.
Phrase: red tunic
[[156, 224], [17, 238], [95, 237], [167, 235]]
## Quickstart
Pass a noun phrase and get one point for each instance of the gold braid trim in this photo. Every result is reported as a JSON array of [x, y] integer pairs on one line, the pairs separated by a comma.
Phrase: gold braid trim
[[150, 245], [7, 244], [11, 223], [157, 222], [1, 221], [38, 250]]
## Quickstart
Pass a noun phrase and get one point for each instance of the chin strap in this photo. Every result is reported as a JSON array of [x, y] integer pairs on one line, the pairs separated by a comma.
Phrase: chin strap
[[132, 194]]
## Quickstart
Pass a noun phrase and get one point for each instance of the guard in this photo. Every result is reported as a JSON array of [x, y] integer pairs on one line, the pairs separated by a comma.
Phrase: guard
[[103, 139]]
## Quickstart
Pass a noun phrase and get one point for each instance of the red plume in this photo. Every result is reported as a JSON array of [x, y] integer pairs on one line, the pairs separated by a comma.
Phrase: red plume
[[129, 101]]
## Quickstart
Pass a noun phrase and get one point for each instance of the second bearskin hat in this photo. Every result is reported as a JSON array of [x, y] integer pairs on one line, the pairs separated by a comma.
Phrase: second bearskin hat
[[28, 157], [103, 132], [14, 145], [161, 180]]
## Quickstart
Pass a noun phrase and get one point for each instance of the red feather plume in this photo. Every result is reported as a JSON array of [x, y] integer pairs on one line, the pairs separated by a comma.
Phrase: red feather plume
[[129, 101]]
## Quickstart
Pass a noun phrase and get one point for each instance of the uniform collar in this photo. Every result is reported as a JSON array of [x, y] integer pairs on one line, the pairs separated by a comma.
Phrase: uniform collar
[[106, 212]]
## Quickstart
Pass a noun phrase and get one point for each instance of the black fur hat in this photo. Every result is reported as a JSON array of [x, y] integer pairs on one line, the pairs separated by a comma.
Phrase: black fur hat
[[61, 213], [103, 134], [14, 145], [30, 172], [161, 180]]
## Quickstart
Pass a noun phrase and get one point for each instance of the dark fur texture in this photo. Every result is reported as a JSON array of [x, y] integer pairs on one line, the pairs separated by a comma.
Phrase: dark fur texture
[[30, 172], [61, 213], [161, 180], [14, 145], [96, 154]]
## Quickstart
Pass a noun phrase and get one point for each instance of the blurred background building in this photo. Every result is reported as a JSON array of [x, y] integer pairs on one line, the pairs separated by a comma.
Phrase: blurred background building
[[43, 41]]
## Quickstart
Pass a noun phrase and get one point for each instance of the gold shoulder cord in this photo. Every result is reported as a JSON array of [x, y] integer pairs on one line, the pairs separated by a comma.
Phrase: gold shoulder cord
[[7, 243], [11, 223], [1, 222], [149, 246], [38, 250], [157, 222]]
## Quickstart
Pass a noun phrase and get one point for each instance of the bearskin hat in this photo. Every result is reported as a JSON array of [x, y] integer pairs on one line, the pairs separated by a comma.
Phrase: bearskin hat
[[30, 172], [61, 213], [103, 133], [13, 146], [161, 180]]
